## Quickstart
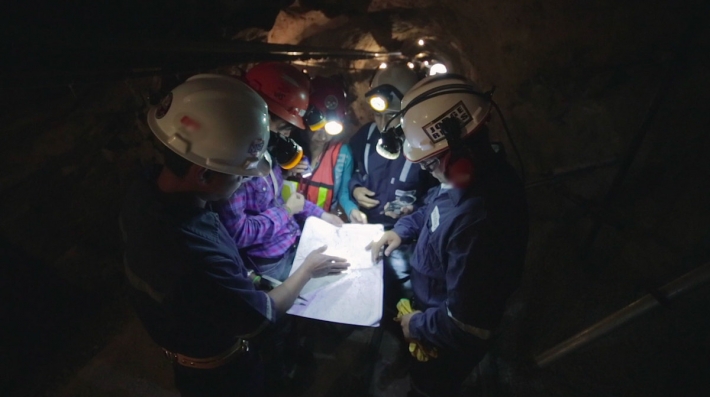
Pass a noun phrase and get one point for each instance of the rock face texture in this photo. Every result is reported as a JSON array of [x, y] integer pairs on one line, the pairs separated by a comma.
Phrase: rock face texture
[[606, 103]]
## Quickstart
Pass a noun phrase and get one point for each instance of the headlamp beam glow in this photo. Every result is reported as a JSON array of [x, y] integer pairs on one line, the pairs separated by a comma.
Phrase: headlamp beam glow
[[333, 127], [437, 68], [378, 103]]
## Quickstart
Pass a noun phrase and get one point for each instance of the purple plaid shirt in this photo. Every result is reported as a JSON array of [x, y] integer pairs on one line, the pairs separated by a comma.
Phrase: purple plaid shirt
[[256, 219]]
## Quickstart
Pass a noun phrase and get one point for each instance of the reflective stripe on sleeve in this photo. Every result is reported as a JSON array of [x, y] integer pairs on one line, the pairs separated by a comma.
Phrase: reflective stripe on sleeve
[[405, 171], [367, 147]]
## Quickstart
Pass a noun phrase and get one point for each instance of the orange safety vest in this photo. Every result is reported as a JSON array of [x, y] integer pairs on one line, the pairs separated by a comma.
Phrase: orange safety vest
[[319, 187]]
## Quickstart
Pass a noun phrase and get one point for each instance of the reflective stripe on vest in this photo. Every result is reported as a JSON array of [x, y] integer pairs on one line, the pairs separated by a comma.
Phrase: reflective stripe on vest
[[322, 196], [320, 186], [367, 148]]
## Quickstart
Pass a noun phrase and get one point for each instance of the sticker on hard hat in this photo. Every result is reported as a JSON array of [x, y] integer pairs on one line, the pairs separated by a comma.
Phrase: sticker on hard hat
[[189, 123], [459, 111], [331, 102], [256, 146], [164, 106]]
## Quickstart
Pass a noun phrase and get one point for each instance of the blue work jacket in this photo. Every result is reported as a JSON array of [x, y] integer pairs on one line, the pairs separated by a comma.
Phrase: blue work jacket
[[189, 285], [468, 257], [389, 179]]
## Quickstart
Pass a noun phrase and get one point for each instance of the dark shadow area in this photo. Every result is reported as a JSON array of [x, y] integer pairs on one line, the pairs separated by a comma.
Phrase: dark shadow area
[[42, 313]]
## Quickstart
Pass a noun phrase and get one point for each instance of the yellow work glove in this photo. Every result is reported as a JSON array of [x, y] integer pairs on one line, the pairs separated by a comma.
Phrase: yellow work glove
[[418, 351]]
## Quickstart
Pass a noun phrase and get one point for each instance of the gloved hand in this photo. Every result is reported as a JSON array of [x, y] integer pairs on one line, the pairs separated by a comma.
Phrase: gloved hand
[[418, 350]]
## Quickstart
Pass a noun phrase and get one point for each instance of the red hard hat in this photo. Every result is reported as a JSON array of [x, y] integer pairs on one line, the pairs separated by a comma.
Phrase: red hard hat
[[284, 88], [327, 103]]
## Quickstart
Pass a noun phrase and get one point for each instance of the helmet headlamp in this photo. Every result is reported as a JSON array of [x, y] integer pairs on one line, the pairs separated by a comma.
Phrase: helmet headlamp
[[384, 97], [314, 118], [378, 103], [390, 145], [333, 127], [317, 120]]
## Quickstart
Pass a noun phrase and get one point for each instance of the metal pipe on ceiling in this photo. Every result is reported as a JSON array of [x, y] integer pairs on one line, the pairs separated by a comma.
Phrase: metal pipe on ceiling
[[112, 62]]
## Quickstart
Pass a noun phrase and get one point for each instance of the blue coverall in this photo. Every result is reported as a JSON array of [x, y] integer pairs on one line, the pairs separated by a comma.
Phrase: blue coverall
[[191, 290], [389, 179], [467, 261]]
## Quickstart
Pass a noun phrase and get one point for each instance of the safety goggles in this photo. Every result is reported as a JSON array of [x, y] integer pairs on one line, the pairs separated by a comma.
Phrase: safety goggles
[[384, 97], [281, 126], [315, 119], [430, 165]]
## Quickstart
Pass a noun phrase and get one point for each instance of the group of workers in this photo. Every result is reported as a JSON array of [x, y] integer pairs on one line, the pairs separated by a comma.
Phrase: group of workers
[[248, 159]]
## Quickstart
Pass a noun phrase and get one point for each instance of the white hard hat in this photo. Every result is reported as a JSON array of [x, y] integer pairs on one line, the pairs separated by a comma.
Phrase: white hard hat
[[387, 90], [216, 122], [432, 100]]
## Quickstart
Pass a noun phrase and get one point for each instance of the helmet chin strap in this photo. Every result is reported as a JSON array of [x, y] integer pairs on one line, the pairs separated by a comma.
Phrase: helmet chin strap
[[268, 159], [458, 162]]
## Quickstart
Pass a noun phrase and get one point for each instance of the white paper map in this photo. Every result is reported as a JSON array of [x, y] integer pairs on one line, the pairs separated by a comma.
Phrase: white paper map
[[353, 297]]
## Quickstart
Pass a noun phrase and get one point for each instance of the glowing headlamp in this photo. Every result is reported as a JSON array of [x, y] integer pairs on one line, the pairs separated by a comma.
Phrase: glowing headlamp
[[315, 119], [437, 68], [384, 97], [390, 145], [378, 103], [333, 127]]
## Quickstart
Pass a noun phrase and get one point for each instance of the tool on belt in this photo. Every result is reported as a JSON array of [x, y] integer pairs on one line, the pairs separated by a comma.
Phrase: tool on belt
[[418, 351]]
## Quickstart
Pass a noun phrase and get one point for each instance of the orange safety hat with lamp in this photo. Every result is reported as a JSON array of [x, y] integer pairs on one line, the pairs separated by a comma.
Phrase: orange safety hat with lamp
[[326, 111], [327, 105], [196, 120], [438, 113], [284, 88]]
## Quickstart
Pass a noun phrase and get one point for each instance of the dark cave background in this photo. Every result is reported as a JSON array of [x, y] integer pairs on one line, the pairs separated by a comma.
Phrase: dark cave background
[[607, 103]]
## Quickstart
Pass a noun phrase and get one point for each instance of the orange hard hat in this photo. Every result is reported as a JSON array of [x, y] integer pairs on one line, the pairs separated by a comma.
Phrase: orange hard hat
[[327, 106], [284, 88]]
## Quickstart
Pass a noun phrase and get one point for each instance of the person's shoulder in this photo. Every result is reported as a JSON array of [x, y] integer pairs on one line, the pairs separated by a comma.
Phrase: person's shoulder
[[203, 226], [470, 208], [364, 129], [361, 135], [254, 185], [346, 150]]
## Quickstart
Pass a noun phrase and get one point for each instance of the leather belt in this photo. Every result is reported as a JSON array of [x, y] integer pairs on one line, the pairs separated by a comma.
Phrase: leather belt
[[479, 332], [240, 347]]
